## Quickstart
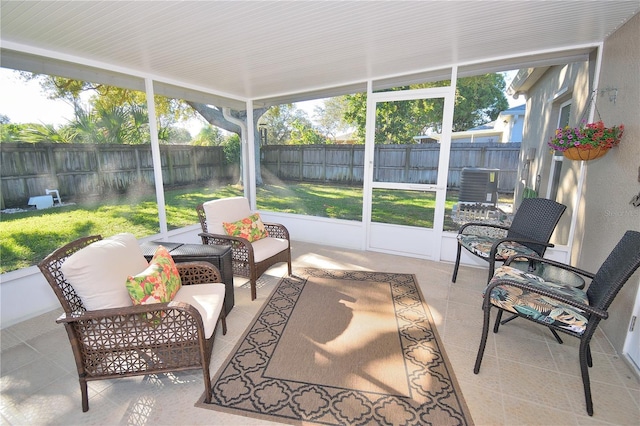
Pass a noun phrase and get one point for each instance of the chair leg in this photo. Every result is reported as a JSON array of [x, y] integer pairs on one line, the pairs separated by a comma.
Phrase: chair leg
[[253, 279], [483, 340], [455, 267], [589, 359], [585, 355], [84, 394], [555, 334], [496, 326], [207, 383], [511, 318], [492, 268], [223, 318]]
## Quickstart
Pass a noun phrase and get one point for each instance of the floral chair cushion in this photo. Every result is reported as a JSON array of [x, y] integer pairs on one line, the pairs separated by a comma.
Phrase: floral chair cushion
[[536, 307], [481, 245], [158, 283], [250, 228]]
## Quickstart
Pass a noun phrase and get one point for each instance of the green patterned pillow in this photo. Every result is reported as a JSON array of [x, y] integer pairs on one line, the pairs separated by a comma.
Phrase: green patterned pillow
[[250, 228], [158, 283]]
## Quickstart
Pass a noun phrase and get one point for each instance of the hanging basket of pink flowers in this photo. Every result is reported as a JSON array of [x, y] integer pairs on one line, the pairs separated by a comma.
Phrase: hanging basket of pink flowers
[[587, 142]]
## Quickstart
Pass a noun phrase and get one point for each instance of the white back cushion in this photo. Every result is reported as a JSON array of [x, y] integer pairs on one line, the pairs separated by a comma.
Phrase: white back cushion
[[98, 272], [225, 210]]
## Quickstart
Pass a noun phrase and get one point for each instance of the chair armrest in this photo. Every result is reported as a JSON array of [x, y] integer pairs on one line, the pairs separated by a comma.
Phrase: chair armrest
[[198, 273], [238, 244], [496, 244], [552, 263], [277, 230], [543, 292], [156, 318], [220, 239]]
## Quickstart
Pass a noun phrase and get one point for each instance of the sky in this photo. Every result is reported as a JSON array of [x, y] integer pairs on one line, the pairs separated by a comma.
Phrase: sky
[[23, 102]]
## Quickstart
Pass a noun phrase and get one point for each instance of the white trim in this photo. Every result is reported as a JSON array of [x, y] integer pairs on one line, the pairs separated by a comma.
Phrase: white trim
[[250, 184], [8, 45], [583, 164], [383, 237], [155, 155], [559, 94]]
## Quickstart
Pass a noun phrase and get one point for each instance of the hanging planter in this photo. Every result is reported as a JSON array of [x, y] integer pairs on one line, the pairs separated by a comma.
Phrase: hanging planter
[[575, 153], [587, 142]]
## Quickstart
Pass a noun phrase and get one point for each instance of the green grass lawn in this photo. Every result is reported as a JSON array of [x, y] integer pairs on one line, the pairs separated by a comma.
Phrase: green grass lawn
[[27, 237]]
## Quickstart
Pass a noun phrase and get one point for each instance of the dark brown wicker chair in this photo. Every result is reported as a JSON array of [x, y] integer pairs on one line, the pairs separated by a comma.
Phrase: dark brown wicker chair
[[243, 252], [136, 340], [529, 234], [563, 308]]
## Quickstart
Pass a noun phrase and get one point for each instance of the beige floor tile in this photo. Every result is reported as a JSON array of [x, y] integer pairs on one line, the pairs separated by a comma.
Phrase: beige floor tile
[[23, 382], [567, 361], [8, 339], [537, 385], [625, 372], [613, 404], [17, 356], [486, 407], [463, 361], [46, 323], [522, 412]]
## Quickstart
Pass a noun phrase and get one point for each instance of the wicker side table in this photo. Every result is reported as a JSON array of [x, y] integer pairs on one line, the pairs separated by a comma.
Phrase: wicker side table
[[218, 256]]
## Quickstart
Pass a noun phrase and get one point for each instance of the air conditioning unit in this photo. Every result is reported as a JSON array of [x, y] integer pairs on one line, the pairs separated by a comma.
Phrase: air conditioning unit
[[478, 187]]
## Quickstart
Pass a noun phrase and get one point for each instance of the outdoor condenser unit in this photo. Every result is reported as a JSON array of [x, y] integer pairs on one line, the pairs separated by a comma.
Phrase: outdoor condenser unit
[[478, 187]]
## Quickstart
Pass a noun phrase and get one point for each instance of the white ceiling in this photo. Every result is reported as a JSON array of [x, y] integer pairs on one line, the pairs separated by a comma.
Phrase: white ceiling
[[281, 49]]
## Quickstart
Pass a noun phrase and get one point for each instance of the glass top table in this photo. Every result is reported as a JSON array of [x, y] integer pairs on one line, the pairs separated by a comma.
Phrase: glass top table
[[552, 273]]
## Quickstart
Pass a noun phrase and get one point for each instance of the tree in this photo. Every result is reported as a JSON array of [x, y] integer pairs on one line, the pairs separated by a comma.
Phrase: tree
[[208, 136], [304, 134], [215, 116], [279, 121], [479, 99], [330, 117], [232, 149]]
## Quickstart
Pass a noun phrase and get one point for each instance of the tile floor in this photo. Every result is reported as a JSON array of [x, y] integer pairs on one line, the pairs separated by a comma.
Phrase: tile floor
[[526, 377]]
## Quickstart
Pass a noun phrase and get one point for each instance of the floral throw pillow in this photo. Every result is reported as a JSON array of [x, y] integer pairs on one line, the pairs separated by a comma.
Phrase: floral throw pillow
[[158, 283], [251, 228]]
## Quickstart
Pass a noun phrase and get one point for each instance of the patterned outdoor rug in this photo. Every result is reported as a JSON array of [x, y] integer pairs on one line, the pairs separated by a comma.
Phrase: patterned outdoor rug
[[341, 348]]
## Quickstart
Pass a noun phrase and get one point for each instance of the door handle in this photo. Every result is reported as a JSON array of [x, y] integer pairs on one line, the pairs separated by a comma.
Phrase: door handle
[[427, 187]]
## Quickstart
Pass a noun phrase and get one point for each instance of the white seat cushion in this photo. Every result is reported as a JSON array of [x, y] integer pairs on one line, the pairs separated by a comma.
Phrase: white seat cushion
[[267, 247], [98, 272], [225, 210], [207, 299]]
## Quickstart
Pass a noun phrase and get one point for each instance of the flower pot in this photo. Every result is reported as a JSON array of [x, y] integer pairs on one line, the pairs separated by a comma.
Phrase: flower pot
[[574, 153]]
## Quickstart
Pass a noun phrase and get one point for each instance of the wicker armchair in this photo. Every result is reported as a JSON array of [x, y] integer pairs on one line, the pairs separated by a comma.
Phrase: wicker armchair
[[142, 339], [558, 306], [249, 259], [529, 234]]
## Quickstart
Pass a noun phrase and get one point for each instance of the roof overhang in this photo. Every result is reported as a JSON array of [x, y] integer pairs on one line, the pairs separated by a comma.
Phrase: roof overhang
[[285, 51]]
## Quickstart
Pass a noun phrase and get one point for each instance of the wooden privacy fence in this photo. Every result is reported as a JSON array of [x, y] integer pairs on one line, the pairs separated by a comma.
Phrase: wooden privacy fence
[[393, 163], [80, 170]]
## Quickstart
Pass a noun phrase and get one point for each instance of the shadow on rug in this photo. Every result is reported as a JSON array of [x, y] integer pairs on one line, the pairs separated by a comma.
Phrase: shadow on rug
[[341, 347]]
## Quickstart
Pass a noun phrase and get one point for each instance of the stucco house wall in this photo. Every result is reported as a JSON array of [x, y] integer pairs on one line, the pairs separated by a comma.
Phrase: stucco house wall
[[556, 86], [603, 211], [611, 181]]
